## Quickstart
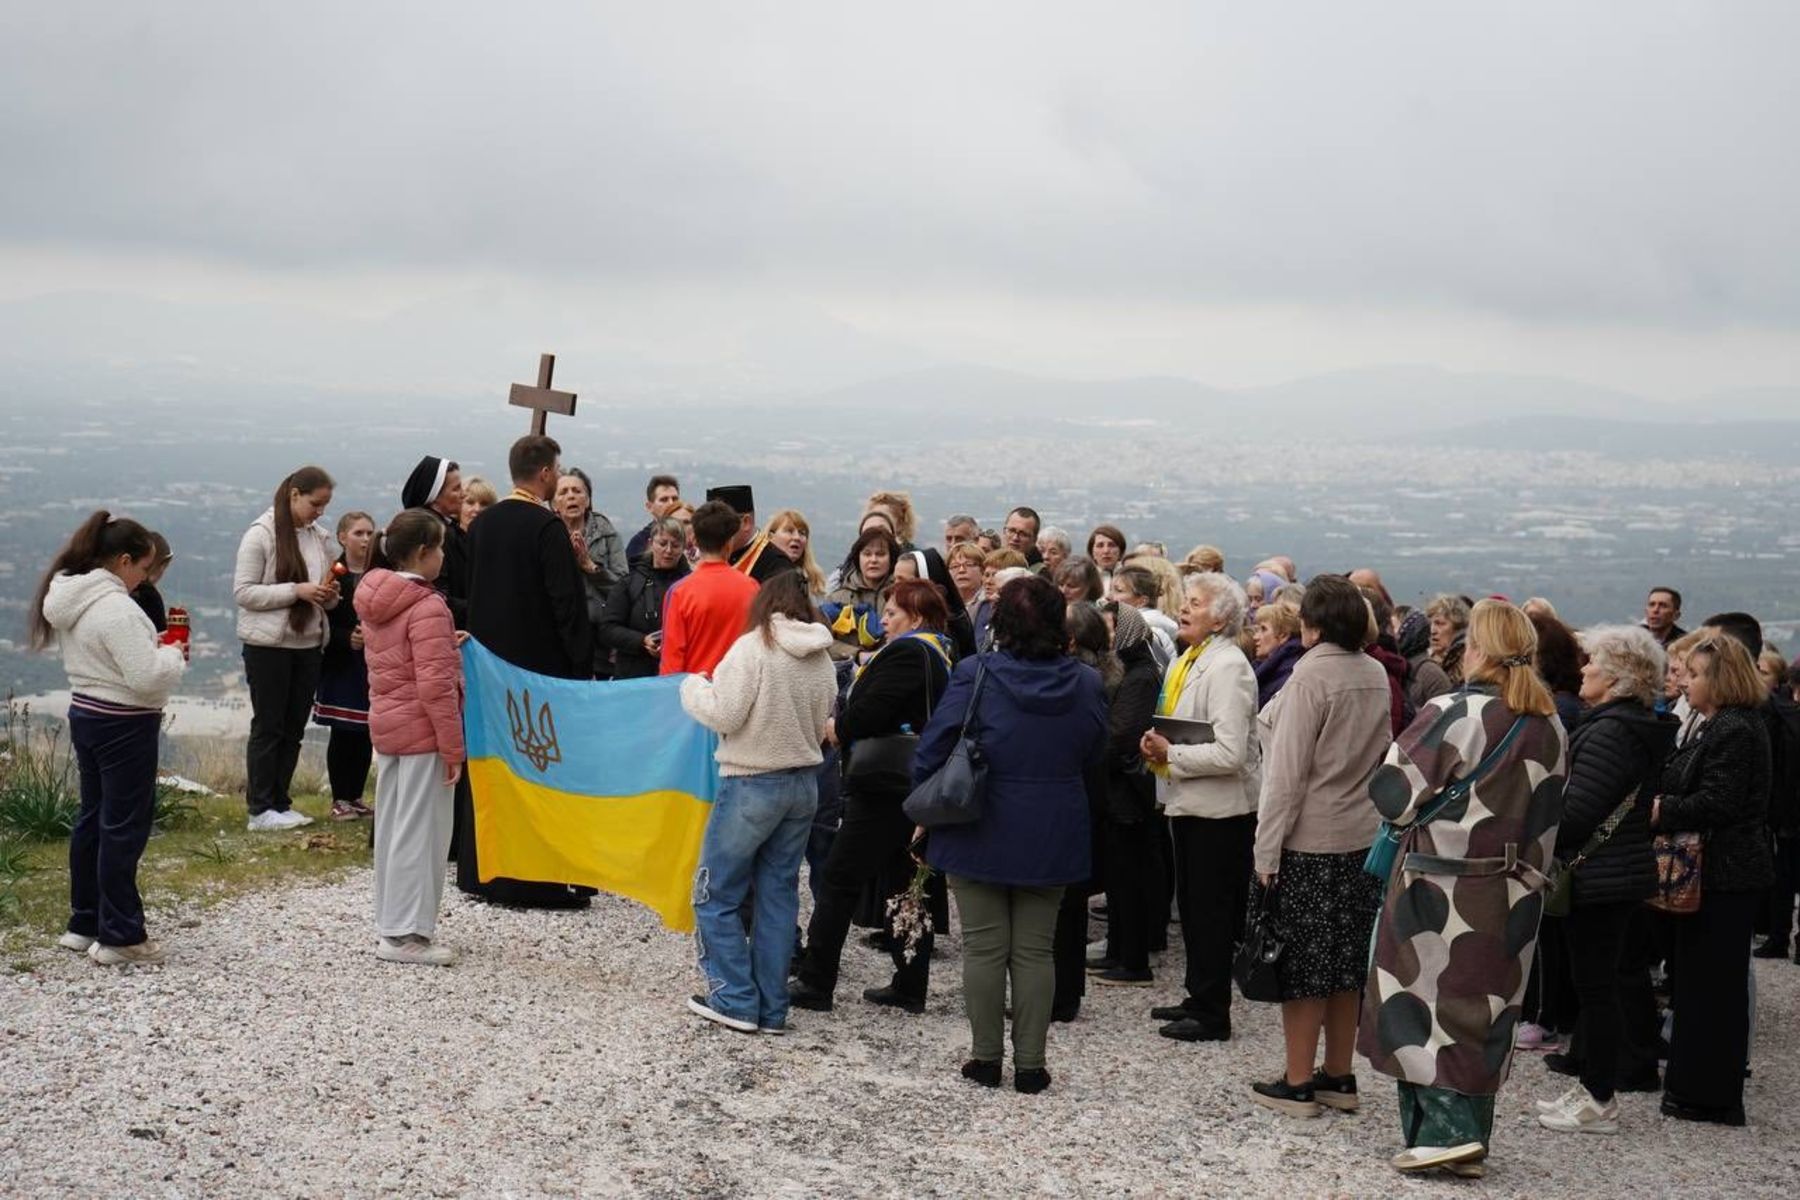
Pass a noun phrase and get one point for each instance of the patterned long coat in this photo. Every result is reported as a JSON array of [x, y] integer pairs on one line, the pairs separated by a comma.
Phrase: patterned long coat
[[1453, 950]]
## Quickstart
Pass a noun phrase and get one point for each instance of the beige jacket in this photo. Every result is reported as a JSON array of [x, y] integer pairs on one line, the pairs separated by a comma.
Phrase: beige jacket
[[262, 603], [768, 704], [1322, 736], [1219, 779]]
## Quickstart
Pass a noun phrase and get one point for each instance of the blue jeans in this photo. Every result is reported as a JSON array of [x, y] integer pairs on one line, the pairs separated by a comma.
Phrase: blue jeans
[[755, 839]]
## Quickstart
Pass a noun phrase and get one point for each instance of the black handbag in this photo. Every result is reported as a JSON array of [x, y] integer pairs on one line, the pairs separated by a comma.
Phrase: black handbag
[[956, 793], [1257, 967], [884, 764]]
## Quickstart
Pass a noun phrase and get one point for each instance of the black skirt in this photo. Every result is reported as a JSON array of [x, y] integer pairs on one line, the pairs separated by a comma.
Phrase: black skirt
[[1327, 905]]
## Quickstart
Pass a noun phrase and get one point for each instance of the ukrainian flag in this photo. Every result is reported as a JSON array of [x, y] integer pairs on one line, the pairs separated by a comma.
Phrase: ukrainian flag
[[603, 784]]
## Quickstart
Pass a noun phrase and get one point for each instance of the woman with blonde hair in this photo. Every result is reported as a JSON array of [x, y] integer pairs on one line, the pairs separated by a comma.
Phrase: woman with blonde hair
[[788, 532], [1169, 576], [898, 507], [478, 496], [1449, 617], [1717, 785], [1475, 787], [1203, 558]]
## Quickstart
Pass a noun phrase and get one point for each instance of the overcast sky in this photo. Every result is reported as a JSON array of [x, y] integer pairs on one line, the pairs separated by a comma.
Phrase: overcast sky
[[1240, 193]]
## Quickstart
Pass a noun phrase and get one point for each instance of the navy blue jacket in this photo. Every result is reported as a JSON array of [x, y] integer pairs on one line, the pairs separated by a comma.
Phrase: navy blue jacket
[[1041, 724]]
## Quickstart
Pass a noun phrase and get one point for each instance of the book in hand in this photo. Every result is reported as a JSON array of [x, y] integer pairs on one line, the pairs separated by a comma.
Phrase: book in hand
[[1181, 732]]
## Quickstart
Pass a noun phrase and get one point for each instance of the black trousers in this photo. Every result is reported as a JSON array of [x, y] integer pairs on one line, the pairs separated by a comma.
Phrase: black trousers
[[1711, 1043], [1212, 891], [347, 758], [1780, 917], [1163, 899], [870, 843], [116, 757], [1133, 874], [1595, 947], [1550, 998], [282, 683], [1068, 949]]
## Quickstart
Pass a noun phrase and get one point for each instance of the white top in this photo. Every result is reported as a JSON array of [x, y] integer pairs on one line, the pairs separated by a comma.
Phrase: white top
[[263, 604], [109, 647], [769, 703]]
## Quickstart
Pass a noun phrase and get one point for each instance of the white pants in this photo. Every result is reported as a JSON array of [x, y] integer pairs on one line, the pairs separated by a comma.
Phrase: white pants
[[413, 812]]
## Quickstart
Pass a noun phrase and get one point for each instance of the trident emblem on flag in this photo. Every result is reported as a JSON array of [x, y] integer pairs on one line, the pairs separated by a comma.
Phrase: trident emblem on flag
[[535, 738]]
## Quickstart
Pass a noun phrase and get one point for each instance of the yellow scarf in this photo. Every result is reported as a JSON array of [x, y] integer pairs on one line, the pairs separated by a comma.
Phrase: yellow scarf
[[1173, 682]]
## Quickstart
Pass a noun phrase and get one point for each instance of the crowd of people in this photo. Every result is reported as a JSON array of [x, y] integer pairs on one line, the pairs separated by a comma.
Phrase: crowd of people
[[1586, 829]]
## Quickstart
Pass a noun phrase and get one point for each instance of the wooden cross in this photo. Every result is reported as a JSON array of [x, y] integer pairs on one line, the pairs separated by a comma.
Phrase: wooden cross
[[541, 400]]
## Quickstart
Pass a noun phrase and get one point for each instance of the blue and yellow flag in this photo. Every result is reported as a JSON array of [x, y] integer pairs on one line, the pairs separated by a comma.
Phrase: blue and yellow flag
[[603, 784]]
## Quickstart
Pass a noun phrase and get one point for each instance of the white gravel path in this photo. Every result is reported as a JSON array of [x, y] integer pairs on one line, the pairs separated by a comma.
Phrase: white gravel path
[[275, 1056]]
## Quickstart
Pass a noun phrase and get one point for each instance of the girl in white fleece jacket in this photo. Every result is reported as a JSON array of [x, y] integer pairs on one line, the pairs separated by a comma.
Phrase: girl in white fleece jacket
[[769, 699], [283, 586], [121, 677]]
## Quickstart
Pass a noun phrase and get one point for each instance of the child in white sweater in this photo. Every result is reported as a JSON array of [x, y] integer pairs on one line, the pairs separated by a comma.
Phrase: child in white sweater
[[121, 678]]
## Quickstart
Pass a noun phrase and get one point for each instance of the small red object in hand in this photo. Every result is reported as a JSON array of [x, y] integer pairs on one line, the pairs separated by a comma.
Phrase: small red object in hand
[[339, 570]]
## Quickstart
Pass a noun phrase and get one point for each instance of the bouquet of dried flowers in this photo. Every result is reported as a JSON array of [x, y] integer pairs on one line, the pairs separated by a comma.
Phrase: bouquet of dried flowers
[[909, 913]]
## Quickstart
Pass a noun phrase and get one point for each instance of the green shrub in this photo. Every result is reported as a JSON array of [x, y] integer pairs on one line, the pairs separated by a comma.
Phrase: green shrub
[[173, 809], [15, 859]]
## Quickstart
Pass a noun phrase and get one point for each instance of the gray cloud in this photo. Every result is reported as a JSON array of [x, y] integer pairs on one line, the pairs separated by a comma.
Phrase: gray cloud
[[1545, 163]]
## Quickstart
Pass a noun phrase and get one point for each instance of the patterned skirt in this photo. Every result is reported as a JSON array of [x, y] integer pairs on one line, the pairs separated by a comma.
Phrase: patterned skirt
[[1327, 907]]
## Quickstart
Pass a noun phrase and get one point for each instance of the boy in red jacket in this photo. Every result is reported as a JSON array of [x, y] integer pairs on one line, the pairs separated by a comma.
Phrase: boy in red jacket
[[705, 613]]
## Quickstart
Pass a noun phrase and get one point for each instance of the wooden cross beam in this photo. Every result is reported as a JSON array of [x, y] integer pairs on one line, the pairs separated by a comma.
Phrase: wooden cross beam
[[541, 400]]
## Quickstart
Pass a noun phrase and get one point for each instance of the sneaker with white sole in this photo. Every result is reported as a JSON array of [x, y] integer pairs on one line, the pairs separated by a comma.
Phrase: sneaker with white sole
[[80, 943], [145, 954], [1426, 1158], [1584, 1115], [700, 1008], [1569, 1097], [267, 821], [424, 954], [295, 818]]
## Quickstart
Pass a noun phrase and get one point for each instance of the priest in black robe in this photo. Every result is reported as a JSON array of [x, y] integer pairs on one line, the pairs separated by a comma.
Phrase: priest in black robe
[[527, 604], [751, 552]]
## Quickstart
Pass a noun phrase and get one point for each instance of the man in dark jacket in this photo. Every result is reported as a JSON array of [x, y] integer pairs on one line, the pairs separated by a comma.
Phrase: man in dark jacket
[[1661, 610]]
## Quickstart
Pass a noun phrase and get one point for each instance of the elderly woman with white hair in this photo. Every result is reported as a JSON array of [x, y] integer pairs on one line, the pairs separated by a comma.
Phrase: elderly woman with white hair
[[1209, 791], [1055, 545], [1616, 757]]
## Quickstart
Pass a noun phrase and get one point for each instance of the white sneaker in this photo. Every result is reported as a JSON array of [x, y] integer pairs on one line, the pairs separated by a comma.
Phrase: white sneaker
[[1569, 1097], [425, 954], [699, 1007], [78, 942], [145, 954], [293, 818], [267, 821], [1584, 1115]]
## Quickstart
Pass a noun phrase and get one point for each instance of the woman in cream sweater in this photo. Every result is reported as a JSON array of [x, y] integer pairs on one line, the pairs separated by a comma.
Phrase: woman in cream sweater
[[769, 700]]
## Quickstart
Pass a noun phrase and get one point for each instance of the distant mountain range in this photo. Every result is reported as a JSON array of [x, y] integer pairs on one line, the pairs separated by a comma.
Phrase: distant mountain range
[[473, 343]]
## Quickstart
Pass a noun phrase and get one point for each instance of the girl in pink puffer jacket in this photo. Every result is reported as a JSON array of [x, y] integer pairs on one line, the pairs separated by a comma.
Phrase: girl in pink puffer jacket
[[415, 722]]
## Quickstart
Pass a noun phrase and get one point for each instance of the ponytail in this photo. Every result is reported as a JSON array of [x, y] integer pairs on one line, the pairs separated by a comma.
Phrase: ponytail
[[1508, 642], [406, 535], [290, 563], [99, 540]]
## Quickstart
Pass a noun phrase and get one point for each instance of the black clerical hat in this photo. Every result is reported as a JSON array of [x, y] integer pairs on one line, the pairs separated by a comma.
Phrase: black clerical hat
[[738, 495], [425, 482]]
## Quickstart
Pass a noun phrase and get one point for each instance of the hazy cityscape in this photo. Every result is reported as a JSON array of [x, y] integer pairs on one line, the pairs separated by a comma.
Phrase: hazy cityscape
[[1478, 510]]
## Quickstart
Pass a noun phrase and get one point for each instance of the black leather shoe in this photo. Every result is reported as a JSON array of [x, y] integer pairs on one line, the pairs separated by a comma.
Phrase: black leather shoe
[[888, 997], [1190, 1030], [1650, 1081], [1097, 965], [1770, 949], [1681, 1111], [1562, 1064], [1030, 1080], [1065, 1013], [987, 1074], [1171, 1012], [804, 995]]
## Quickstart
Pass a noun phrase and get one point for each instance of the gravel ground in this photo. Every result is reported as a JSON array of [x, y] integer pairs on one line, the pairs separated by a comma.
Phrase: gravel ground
[[275, 1056]]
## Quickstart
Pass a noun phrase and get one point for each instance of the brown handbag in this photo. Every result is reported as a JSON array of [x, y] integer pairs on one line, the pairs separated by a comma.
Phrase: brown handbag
[[1678, 858]]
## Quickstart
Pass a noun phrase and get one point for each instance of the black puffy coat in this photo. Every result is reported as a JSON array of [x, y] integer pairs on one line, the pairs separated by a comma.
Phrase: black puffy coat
[[1617, 748], [1718, 784], [633, 611]]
